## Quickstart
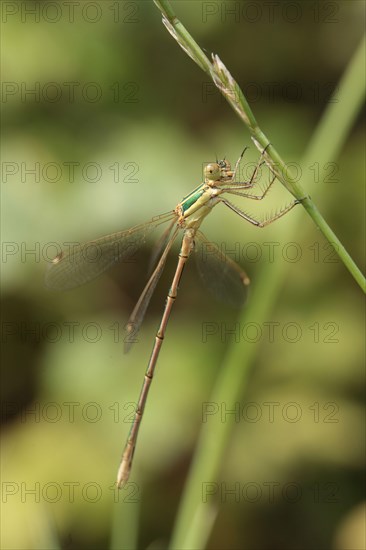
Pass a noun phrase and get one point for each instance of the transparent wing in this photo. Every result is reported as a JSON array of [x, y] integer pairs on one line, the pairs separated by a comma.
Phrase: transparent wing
[[138, 314], [160, 246], [82, 263], [220, 274]]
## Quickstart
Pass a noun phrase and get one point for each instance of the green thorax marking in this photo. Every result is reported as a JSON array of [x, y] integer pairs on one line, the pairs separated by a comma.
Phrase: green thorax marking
[[191, 198]]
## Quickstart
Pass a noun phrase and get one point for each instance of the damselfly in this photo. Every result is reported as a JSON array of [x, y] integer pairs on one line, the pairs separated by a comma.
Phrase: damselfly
[[76, 266]]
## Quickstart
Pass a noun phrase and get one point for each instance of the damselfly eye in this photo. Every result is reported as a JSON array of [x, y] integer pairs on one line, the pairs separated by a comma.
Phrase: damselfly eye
[[212, 171]]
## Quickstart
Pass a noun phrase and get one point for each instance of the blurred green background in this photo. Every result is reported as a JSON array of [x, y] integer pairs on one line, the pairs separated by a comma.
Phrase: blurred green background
[[106, 122]]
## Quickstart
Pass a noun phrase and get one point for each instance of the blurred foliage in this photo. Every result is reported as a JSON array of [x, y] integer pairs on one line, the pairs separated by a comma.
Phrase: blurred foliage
[[157, 119]]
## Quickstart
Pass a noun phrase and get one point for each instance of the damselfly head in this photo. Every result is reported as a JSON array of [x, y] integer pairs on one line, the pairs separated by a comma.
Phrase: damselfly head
[[215, 171]]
